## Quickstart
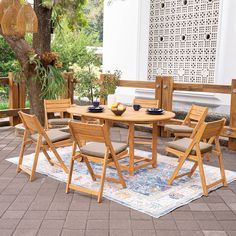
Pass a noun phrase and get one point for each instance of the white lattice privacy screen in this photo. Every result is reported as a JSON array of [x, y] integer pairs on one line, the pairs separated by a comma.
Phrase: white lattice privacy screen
[[182, 39]]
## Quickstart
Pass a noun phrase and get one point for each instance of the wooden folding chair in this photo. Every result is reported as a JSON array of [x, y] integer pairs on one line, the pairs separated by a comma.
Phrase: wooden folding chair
[[145, 103], [34, 133], [188, 128], [59, 106], [194, 149], [99, 150]]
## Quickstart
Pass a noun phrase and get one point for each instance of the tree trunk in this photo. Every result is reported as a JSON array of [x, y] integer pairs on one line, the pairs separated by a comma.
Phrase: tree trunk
[[41, 44]]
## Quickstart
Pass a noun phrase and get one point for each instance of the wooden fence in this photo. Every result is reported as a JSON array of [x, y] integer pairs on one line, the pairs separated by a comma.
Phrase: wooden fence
[[17, 97], [164, 87]]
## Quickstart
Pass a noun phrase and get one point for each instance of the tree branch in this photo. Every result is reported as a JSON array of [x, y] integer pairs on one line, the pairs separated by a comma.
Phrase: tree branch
[[21, 48]]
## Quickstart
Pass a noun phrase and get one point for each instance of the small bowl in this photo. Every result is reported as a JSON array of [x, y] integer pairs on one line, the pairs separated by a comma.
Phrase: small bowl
[[136, 107], [96, 104], [118, 112]]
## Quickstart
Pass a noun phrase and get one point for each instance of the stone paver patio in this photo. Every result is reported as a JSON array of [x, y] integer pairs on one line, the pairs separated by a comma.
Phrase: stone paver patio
[[43, 208]]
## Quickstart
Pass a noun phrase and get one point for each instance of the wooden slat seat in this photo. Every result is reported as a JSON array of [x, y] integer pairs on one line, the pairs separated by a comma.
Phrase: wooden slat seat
[[53, 134], [59, 121], [179, 129], [183, 144], [99, 149]]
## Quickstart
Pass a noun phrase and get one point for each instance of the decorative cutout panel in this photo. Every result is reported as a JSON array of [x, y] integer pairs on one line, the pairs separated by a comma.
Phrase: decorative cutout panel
[[182, 39]]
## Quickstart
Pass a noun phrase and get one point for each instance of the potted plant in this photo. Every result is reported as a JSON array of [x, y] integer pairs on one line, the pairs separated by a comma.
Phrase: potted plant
[[108, 83]]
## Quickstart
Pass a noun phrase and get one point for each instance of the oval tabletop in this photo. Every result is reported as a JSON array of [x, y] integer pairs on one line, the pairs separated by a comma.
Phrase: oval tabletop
[[128, 116]]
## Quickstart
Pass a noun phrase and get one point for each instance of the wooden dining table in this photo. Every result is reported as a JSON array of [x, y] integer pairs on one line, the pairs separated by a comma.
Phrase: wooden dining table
[[129, 117]]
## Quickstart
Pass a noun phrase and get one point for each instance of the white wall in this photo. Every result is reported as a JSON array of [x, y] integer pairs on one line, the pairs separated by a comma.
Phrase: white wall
[[126, 34]]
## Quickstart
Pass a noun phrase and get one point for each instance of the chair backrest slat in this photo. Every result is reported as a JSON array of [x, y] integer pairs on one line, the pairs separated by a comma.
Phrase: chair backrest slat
[[213, 129], [197, 113], [60, 105], [146, 103], [31, 123], [87, 132]]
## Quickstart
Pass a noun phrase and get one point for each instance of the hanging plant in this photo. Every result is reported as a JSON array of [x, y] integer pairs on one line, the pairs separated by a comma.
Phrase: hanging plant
[[49, 73]]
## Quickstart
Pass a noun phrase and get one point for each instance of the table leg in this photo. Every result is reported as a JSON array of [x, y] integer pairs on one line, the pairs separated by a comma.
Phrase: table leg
[[131, 148], [154, 145]]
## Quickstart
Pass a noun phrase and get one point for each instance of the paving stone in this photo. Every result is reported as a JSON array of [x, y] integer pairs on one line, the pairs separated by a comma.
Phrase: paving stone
[[8, 223], [29, 224], [96, 233], [13, 214], [218, 206], [56, 215], [224, 215], [191, 233], [98, 215], [97, 224], [215, 233], [6, 232], [52, 224], [201, 215], [79, 215], [146, 232], [136, 215], [187, 225], [35, 215], [142, 224], [228, 225], [51, 232], [167, 233], [210, 225], [116, 215], [231, 233], [69, 232], [165, 225], [75, 224], [122, 232], [199, 207], [182, 215], [25, 232]]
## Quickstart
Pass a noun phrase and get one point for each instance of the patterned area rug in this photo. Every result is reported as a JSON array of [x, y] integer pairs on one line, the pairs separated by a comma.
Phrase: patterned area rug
[[147, 191]]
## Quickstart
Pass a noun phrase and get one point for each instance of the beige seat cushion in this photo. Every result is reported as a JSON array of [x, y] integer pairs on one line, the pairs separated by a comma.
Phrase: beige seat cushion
[[99, 149], [54, 136], [178, 128], [183, 144], [59, 121]]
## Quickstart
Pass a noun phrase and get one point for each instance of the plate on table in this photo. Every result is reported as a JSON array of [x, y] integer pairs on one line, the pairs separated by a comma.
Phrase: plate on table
[[155, 111], [95, 109]]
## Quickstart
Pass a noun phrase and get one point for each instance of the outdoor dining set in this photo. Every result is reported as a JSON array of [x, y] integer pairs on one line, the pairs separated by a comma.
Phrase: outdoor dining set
[[89, 138]]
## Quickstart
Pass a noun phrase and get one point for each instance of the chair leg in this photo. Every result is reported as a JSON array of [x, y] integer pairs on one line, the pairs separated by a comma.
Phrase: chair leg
[[70, 175], [202, 175], [193, 169], [47, 156], [64, 167], [103, 178], [37, 150], [89, 168], [22, 150], [122, 181], [176, 171]]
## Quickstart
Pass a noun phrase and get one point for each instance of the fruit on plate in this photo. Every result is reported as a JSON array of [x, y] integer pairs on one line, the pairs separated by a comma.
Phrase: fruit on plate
[[115, 105], [121, 107]]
